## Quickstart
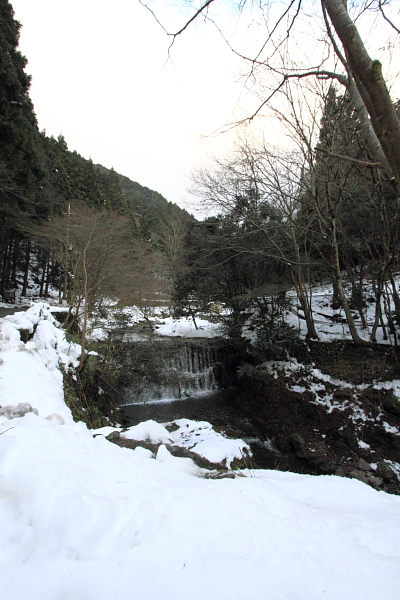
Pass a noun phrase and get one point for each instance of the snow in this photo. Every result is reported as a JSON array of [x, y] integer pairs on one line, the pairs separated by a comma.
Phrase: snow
[[197, 436], [84, 519], [185, 328]]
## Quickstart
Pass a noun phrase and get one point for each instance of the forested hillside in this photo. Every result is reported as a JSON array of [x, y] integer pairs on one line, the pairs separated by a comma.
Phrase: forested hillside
[[56, 206]]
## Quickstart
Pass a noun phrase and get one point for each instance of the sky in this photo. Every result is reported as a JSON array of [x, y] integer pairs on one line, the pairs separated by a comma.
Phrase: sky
[[102, 76]]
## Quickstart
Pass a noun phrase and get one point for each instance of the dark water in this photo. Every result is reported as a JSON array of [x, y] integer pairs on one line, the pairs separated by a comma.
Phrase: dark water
[[219, 409]]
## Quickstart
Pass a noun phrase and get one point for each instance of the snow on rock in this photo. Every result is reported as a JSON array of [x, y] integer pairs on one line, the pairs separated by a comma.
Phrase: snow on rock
[[82, 518], [148, 430], [199, 437], [196, 436]]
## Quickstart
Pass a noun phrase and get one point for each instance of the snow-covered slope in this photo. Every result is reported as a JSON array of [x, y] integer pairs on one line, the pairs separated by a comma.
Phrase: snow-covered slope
[[83, 519]]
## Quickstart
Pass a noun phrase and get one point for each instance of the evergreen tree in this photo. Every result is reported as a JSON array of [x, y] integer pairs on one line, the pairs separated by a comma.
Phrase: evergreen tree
[[20, 167], [18, 127]]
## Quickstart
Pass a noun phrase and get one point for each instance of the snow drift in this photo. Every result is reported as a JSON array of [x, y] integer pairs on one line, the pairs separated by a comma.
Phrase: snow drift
[[81, 518]]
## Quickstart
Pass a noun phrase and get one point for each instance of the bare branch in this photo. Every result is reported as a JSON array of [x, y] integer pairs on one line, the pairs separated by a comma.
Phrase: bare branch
[[356, 161], [182, 29], [380, 3]]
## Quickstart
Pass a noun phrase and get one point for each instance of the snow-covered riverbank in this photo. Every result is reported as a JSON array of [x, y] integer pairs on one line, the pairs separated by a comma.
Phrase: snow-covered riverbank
[[84, 519]]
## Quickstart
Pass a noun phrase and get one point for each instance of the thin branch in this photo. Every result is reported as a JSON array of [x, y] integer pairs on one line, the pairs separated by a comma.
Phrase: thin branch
[[201, 9], [182, 29], [386, 18], [356, 161]]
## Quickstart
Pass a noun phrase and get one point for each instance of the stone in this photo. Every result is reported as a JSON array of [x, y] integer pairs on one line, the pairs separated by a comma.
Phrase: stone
[[297, 442], [343, 394], [392, 406], [360, 475], [375, 482], [25, 335], [340, 472], [363, 465], [385, 471], [20, 410], [56, 417], [114, 435]]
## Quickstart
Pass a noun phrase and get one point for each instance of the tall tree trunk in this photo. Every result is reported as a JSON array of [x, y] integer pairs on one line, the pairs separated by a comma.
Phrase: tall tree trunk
[[43, 278], [304, 303], [370, 83], [26, 270], [5, 272], [338, 275], [15, 254]]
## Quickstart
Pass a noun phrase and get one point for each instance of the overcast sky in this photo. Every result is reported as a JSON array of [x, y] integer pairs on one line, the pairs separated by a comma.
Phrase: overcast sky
[[100, 76]]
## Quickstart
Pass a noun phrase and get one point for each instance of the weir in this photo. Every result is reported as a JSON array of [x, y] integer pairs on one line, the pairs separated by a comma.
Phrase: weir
[[185, 368]]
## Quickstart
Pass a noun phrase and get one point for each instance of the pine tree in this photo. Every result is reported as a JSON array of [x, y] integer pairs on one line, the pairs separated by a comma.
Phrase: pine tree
[[20, 167], [18, 126]]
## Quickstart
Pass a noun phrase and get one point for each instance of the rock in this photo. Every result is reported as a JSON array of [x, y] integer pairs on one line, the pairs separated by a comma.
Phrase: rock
[[21, 409], [25, 335], [56, 417], [297, 442], [360, 475], [114, 435], [341, 447], [385, 471], [392, 406], [343, 394], [375, 482], [351, 439], [363, 465], [15, 412], [340, 472]]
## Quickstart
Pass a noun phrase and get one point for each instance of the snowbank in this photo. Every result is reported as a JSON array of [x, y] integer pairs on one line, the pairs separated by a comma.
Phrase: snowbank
[[83, 519]]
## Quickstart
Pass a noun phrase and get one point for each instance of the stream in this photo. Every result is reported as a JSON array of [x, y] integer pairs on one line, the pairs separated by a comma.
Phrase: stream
[[219, 409], [197, 373]]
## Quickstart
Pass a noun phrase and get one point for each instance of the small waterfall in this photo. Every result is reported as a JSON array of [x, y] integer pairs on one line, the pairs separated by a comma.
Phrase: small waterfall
[[187, 369]]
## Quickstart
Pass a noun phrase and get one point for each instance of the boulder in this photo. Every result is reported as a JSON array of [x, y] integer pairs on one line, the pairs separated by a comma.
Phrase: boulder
[[360, 475], [375, 482], [363, 465], [385, 471]]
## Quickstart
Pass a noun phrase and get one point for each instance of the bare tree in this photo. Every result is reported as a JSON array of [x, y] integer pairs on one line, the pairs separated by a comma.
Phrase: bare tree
[[261, 191], [360, 73], [96, 255]]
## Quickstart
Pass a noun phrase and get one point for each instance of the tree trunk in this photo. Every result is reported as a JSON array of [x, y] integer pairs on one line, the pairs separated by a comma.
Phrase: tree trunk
[[338, 275], [305, 305], [43, 278], [26, 270], [370, 83], [15, 254]]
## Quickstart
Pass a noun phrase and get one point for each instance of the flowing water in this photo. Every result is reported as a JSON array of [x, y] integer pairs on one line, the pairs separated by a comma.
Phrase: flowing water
[[185, 369], [195, 386]]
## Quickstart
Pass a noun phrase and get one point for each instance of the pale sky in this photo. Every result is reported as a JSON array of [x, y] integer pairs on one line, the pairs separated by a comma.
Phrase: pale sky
[[101, 77]]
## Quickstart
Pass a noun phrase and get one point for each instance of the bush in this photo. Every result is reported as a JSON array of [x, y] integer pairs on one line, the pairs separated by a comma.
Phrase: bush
[[255, 377], [275, 340]]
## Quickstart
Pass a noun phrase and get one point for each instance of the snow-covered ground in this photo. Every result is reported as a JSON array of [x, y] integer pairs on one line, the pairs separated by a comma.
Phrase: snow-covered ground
[[84, 519]]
